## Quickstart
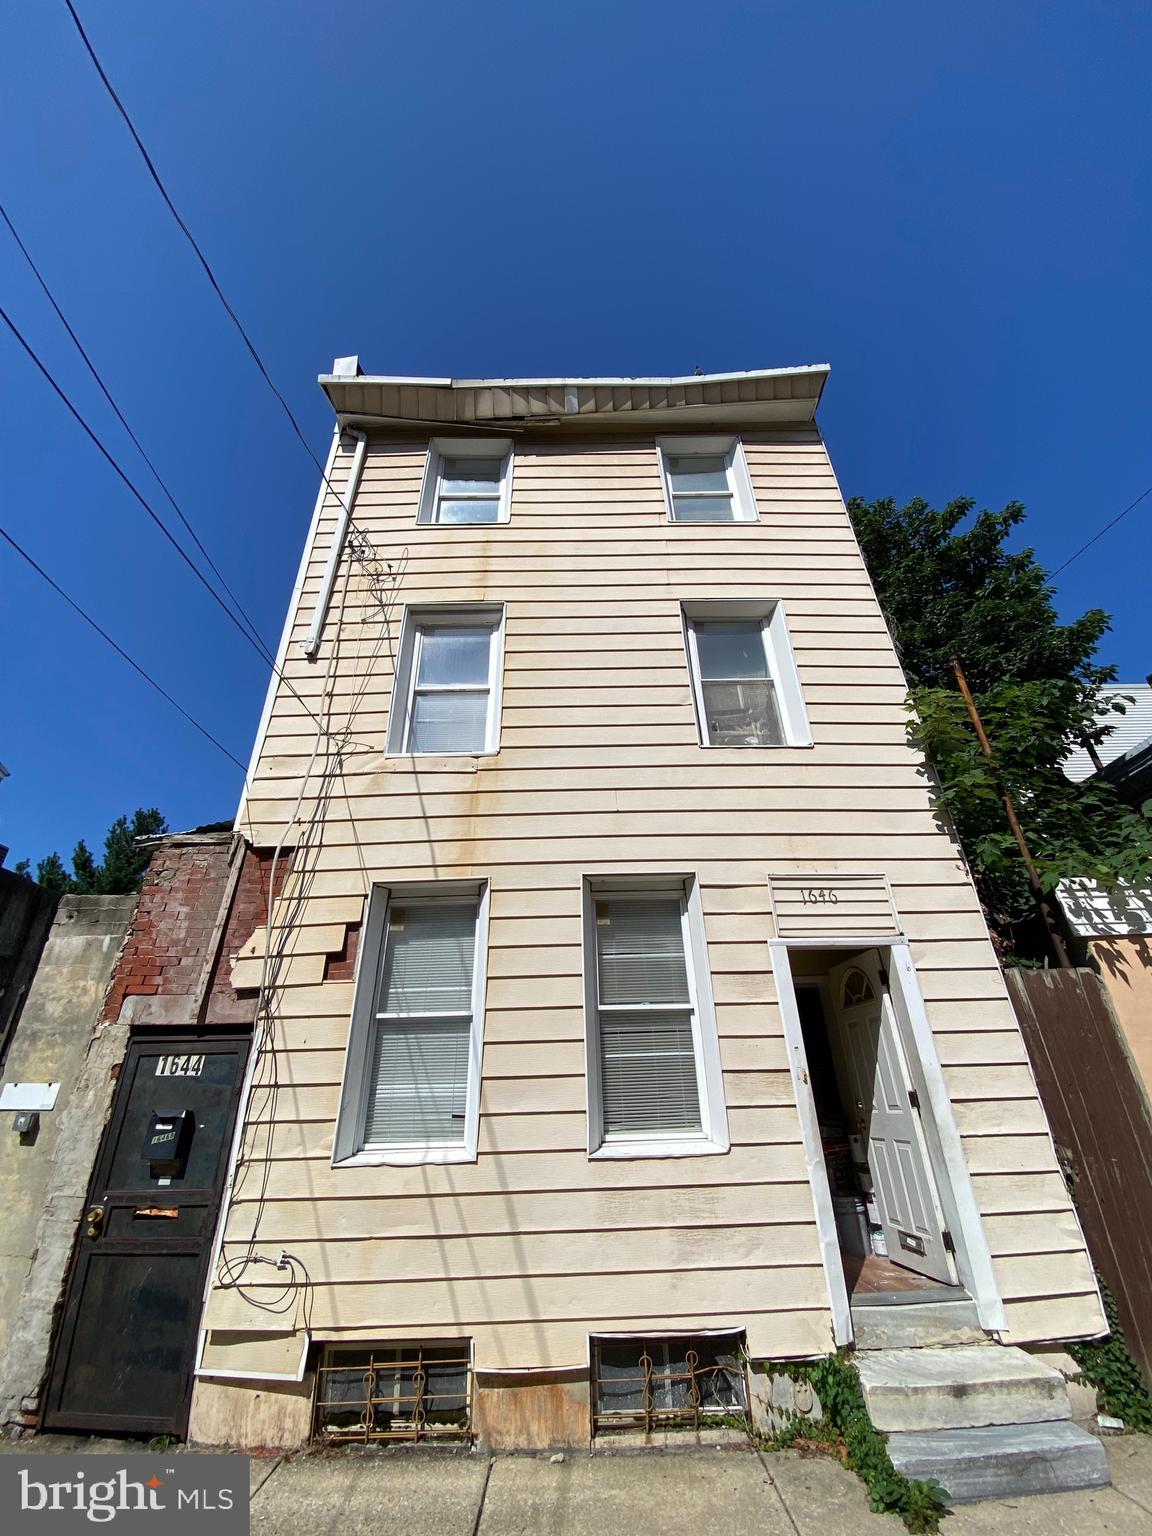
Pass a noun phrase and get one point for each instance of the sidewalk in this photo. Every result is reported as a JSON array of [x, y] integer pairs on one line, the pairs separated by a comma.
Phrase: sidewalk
[[690, 1493]]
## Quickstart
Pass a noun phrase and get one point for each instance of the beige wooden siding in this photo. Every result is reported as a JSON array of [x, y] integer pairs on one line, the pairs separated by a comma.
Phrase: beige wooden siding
[[533, 1247]]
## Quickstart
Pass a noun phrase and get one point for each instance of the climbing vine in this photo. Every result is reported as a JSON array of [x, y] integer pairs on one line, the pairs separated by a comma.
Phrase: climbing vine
[[1107, 1365], [836, 1382]]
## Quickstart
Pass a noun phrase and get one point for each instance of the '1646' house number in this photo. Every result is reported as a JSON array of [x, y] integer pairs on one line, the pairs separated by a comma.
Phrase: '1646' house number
[[813, 895]]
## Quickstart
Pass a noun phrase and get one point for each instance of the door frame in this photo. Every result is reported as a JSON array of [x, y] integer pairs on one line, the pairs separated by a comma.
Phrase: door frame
[[945, 1149], [71, 1297]]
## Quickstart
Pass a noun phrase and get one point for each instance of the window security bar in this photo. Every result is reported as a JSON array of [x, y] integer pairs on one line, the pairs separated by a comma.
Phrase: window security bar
[[678, 1393], [409, 1394]]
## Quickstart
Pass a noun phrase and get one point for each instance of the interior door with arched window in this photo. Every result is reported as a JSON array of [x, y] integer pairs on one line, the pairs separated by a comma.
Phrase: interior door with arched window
[[878, 1091]]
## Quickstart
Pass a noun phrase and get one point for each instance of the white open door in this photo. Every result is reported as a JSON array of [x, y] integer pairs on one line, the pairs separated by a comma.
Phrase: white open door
[[878, 1092]]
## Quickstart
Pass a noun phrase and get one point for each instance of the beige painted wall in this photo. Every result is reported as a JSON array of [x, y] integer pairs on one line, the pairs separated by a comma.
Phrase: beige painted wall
[[533, 1247], [1125, 967]]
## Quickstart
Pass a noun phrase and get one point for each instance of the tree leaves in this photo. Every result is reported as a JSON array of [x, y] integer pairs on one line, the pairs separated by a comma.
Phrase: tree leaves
[[123, 865], [949, 587]]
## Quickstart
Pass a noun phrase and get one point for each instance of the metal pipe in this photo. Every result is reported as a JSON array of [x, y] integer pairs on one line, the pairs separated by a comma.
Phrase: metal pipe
[[1043, 906], [311, 642]]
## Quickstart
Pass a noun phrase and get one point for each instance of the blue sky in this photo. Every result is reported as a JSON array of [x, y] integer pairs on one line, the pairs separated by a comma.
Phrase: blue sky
[[948, 204]]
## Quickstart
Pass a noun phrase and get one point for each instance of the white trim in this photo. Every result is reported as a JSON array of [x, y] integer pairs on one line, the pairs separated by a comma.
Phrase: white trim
[[813, 1145], [444, 615], [946, 1154], [744, 509], [311, 642], [441, 448], [779, 656], [797, 370], [713, 1137], [348, 1150], [203, 1374], [946, 1151], [289, 625]]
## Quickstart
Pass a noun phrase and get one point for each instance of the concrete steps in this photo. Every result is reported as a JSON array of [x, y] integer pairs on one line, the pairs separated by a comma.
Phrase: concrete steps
[[886, 1322], [962, 1388], [1004, 1461], [985, 1421]]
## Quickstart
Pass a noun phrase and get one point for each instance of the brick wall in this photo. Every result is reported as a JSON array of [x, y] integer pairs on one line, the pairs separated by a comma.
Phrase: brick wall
[[174, 947]]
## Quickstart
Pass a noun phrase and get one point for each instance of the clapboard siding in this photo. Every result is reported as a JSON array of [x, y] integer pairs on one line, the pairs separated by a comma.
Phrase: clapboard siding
[[533, 1246]]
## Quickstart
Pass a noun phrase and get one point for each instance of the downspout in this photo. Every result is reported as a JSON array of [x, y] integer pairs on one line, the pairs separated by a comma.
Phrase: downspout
[[311, 642]]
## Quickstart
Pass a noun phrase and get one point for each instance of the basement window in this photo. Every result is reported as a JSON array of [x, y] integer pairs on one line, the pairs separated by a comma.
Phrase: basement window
[[672, 1382], [414, 1392]]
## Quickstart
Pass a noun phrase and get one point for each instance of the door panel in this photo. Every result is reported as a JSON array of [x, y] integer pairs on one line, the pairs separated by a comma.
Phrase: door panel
[[123, 1355], [878, 1087]]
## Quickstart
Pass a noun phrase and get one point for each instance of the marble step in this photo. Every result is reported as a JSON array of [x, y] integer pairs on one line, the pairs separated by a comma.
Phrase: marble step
[[883, 1324], [1003, 1460], [960, 1388]]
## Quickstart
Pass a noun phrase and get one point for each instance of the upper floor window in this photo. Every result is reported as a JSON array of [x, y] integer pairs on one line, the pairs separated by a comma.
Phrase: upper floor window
[[706, 480], [744, 675], [446, 697], [467, 480], [411, 1088], [653, 1064]]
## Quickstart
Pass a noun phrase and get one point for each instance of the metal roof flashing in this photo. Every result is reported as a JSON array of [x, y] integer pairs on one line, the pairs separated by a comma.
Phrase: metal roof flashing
[[771, 395]]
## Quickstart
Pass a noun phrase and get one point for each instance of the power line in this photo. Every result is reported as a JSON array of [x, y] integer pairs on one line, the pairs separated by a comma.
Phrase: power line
[[188, 235], [94, 371], [258, 646], [1102, 532], [120, 651]]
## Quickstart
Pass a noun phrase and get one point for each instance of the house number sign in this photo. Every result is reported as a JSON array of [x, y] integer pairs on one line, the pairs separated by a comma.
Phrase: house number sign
[[826, 903], [179, 1066], [812, 895]]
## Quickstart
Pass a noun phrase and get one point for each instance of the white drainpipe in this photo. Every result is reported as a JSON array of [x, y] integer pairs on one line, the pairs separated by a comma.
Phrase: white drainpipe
[[311, 643]]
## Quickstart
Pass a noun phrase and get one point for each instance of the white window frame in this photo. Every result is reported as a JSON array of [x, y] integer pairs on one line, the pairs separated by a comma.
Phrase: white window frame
[[349, 1150], [739, 481], [713, 1137], [441, 448], [781, 667], [445, 616]]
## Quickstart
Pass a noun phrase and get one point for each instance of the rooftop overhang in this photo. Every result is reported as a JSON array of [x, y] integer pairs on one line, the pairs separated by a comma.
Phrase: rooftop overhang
[[768, 396]]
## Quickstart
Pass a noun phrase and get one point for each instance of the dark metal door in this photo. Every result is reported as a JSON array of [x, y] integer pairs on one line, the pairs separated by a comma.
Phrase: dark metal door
[[125, 1348]]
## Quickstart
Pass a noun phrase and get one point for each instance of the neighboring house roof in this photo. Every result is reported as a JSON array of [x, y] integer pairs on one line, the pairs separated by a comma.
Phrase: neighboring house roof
[[1131, 732], [765, 395], [1095, 912]]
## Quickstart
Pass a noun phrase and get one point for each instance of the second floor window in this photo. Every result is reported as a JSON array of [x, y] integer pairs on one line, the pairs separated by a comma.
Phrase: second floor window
[[446, 696], [744, 676]]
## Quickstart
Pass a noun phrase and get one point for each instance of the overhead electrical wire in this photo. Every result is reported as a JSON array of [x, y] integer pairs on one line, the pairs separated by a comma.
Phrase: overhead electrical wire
[[106, 392], [257, 645], [1131, 505], [190, 237], [119, 649]]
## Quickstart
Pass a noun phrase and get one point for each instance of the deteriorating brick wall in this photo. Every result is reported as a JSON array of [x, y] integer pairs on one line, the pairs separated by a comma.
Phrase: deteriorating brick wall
[[250, 906]]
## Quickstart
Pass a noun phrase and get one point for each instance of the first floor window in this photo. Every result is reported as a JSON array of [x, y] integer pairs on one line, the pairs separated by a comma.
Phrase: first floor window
[[411, 1084], [647, 1037], [448, 683]]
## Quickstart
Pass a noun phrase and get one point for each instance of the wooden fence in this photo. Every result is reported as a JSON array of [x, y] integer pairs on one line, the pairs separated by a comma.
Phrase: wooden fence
[[1099, 1115]]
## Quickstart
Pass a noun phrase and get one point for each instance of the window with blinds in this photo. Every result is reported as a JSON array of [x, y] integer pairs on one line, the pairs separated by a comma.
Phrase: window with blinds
[[419, 1069], [649, 1078]]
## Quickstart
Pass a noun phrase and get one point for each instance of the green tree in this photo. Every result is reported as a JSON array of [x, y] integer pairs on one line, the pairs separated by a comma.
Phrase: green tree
[[949, 587], [122, 868]]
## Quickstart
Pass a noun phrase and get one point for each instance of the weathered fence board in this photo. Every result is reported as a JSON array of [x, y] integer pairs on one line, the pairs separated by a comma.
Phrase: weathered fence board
[[1100, 1121]]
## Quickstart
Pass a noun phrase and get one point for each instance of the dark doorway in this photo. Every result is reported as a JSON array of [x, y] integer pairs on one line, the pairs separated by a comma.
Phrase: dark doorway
[[124, 1352]]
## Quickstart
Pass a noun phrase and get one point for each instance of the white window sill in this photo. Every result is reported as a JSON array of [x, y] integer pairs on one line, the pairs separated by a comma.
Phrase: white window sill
[[777, 746], [406, 1157], [413, 757], [713, 522], [696, 1146]]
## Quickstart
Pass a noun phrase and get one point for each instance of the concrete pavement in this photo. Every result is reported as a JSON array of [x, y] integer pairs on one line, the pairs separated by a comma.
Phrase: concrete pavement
[[353, 1492]]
